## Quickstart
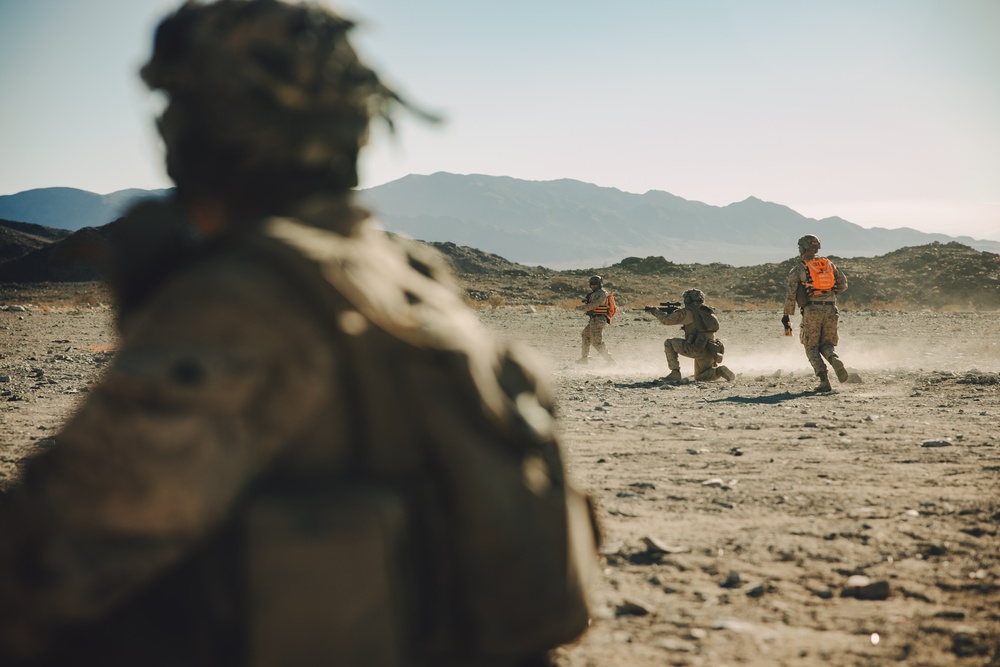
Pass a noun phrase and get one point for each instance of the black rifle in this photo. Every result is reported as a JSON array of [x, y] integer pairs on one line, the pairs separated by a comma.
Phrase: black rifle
[[665, 307]]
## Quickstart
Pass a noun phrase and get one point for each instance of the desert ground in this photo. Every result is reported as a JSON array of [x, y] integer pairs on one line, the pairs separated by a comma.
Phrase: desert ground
[[745, 523]]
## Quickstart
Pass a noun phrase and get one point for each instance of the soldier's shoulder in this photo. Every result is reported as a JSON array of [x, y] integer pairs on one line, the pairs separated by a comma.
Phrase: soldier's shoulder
[[425, 260], [224, 291]]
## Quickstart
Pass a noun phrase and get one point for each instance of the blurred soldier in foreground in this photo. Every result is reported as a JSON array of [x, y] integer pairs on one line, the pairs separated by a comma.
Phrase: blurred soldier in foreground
[[813, 286], [306, 451], [597, 306], [699, 324]]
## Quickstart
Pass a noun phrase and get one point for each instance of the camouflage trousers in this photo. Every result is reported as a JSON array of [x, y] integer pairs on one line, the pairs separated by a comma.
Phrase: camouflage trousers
[[704, 362], [818, 334], [593, 336]]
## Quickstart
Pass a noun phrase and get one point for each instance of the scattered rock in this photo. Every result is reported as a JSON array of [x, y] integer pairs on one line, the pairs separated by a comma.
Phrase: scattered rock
[[656, 546], [632, 607], [862, 588], [611, 548], [935, 443], [967, 642], [732, 580], [675, 645], [824, 593]]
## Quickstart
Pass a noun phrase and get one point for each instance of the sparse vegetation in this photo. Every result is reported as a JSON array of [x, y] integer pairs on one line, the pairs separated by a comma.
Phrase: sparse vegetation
[[939, 277]]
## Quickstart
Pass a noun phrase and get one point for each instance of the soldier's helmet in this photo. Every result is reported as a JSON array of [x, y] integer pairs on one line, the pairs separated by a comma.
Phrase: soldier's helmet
[[595, 281], [808, 243], [262, 86], [693, 296]]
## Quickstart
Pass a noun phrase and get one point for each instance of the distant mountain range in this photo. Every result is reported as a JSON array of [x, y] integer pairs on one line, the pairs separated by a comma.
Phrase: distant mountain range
[[559, 224], [70, 208]]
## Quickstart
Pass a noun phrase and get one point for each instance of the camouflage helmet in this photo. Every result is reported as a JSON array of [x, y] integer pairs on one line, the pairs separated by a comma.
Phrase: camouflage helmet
[[693, 296], [261, 85], [596, 280], [808, 243]]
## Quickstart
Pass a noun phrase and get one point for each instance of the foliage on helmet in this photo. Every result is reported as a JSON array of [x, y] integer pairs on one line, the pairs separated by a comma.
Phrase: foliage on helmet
[[255, 84], [693, 296]]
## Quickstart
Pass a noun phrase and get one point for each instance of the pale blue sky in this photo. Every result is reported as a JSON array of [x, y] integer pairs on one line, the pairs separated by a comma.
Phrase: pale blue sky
[[884, 112]]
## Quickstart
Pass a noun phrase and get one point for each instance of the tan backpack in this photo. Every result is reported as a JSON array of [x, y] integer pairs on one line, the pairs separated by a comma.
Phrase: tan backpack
[[460, 521]]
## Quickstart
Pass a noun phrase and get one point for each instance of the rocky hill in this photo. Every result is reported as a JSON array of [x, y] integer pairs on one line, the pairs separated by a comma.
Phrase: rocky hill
[[18, 239], [937, 276]]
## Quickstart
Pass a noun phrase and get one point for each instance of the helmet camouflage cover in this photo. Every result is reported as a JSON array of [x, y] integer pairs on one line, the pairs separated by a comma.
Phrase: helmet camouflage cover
[[263, 82], [693, 296], [808, 243], [595, 280]]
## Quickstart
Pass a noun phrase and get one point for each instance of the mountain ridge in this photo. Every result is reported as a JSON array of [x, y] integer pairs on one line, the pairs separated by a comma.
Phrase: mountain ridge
[[562, 224]]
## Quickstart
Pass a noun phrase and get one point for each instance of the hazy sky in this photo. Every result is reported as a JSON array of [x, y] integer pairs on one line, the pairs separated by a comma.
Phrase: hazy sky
[[884, 112]]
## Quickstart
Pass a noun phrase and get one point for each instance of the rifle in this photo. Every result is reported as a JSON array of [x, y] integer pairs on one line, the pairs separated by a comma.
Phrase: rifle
[[664, 307]]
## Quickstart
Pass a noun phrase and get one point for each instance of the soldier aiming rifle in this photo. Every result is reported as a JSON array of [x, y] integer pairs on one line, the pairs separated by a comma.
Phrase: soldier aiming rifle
[[700, 325]]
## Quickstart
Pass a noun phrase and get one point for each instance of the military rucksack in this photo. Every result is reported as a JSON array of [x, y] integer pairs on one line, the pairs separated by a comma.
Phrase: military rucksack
[[612, 308], [709, 322], [473, 541]]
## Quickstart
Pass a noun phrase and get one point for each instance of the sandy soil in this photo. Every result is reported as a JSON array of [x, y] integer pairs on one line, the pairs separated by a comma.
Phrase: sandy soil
[[735, 514]]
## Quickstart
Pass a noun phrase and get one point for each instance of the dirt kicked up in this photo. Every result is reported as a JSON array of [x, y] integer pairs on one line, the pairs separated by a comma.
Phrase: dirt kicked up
[[745, 523]]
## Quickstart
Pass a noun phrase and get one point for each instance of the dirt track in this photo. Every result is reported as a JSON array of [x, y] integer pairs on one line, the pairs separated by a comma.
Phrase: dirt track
[[734, 513]]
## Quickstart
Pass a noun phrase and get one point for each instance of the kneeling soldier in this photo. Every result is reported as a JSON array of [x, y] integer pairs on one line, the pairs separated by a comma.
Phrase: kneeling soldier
[[699, 324]]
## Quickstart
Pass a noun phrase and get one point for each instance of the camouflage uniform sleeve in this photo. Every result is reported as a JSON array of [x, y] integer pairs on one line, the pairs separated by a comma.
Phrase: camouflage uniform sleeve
[[792, 284], [212, 380], [599, 299], [680, 316], [840, 280]]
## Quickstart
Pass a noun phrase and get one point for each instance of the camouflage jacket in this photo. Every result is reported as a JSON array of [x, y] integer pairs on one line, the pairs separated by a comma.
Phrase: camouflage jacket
[[594, 300], [686, 319], [128, 539]]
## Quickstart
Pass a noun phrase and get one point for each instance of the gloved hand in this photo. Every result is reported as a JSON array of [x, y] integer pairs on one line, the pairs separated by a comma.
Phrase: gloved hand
[[785, 321]]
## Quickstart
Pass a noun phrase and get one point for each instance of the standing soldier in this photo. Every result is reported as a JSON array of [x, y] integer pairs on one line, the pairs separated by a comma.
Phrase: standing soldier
[[813, 286], [306, 450], [597, 307], [699, 324]]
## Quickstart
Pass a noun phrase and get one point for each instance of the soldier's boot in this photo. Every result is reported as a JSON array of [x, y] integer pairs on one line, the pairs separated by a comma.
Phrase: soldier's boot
[[725, 374], [603, 349], [824, 383], [838, 367], [675, 376]]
